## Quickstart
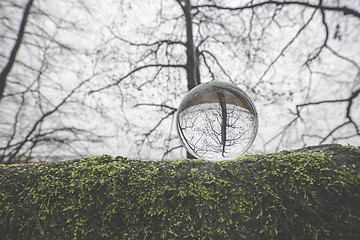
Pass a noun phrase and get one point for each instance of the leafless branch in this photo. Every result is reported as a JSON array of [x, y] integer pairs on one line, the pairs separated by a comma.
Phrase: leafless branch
[[281, 134], [284, 49], [324, 44], [344, 10], [203, 52], [349, 101], [43, 117], [145, 44], [170, 150], [137, 70], [156, 105], [159, 123]]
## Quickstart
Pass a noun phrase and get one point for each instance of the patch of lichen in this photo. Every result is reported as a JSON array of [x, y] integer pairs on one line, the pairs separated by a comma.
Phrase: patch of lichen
[[275, 196]]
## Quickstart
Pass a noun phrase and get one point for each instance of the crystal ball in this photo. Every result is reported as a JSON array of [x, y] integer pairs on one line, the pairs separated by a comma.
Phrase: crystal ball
[[216, 121]]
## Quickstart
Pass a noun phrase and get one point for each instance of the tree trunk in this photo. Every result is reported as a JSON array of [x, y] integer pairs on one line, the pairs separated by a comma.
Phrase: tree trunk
[[192, 64], [311, 193], [5, 72]]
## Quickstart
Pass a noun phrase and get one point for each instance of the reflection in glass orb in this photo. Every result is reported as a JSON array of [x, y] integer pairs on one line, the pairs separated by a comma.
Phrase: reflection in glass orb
[[216, 121]]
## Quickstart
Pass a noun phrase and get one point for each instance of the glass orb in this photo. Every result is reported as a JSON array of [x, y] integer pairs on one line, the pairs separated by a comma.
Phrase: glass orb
[[216, 121]]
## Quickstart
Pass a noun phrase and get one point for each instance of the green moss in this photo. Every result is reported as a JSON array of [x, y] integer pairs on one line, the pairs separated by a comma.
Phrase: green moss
[[290, 195]]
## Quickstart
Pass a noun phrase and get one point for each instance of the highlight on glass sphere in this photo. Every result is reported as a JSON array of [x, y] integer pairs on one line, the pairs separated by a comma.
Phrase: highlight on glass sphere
[[216, 121]]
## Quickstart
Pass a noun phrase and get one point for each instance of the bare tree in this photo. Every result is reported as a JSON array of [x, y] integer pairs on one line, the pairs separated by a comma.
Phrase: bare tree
[[297, 60], [293, 57], [40, 117]]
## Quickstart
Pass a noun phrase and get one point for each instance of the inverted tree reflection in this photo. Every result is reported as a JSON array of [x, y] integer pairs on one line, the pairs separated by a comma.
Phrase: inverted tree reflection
[[219, 127]]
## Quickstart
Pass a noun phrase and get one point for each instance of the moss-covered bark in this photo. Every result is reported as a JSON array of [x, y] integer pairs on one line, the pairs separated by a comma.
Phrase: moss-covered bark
[[312, 193]]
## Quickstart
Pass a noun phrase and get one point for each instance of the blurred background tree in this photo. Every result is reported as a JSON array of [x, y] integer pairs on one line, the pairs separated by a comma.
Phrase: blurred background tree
[[95, 77]]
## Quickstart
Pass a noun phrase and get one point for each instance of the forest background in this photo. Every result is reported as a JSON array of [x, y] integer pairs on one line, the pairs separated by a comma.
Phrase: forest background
[[81, 78]]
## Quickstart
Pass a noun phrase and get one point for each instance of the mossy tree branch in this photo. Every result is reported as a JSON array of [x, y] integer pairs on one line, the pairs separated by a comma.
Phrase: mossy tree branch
[[312, 193]]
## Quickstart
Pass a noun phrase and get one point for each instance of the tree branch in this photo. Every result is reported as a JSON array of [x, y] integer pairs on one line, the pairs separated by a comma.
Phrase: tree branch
[[350, 99], [284, 49], [344, 10], [156, 105], [348, 109], [144, 44], [217, 62], [316, 55], [44, 116], [134, 71], [159, 122]]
